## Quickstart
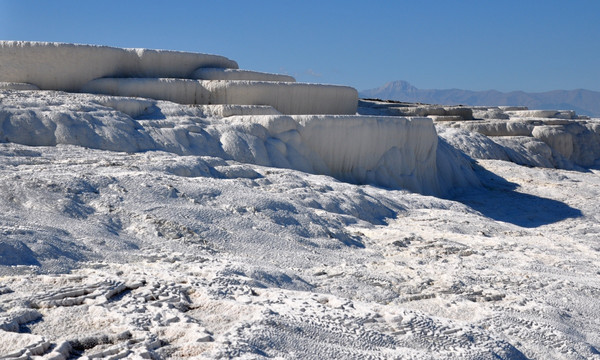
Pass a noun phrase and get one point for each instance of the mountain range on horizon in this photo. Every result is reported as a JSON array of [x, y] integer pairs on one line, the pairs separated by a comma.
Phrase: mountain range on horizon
[[584, 102]]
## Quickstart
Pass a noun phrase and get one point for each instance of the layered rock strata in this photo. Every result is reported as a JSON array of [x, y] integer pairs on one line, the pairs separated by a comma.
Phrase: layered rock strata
[[183, 77]]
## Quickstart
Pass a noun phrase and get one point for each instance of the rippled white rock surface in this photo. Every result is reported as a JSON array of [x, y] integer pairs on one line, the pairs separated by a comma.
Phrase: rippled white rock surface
[[128, 228]]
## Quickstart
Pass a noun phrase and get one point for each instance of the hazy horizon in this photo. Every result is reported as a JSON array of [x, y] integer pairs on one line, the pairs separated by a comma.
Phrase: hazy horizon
[[463, 89]]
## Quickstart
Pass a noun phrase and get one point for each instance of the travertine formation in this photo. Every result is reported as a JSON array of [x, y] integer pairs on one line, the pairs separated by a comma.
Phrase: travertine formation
[[145, 229], [187, 78], [546, 138], [247, 116], [396, 152]]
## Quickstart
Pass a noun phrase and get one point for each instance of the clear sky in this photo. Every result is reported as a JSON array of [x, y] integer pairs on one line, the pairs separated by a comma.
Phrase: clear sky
[[471, 44]]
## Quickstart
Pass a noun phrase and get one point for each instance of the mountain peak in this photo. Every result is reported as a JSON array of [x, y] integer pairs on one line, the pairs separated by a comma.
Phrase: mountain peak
[[392, 87], [399, 85]]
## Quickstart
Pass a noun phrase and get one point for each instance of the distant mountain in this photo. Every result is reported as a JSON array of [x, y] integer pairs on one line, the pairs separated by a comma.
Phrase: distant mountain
[[584, 102]]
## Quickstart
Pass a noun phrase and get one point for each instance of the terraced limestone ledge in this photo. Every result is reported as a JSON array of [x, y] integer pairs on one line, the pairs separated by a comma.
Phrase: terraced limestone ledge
[[238, 74], [286, 97], [67, 67], [546, 138], [393, 152], [182, 77]]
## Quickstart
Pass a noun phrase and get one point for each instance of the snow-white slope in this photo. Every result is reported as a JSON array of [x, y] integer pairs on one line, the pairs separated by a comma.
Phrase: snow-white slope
[[142, 228]]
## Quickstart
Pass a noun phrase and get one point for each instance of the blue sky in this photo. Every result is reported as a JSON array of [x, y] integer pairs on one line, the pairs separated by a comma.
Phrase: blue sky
[[476, 45]]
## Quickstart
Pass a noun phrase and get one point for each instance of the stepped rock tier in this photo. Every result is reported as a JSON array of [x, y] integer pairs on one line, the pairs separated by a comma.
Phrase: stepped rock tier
[[241, 115], [183, 77], [545, 138]]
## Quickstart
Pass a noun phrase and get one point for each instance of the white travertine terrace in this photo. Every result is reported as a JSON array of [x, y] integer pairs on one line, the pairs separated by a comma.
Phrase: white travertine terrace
[[546, 138], [389, 151], [287, 97], [183, 77], [238, 74], [17, 86], [250, 117], [67, 67]]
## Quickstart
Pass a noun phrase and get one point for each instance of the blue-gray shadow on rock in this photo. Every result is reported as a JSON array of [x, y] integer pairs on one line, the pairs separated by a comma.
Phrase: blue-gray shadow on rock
[[499, 200], [15, 252]]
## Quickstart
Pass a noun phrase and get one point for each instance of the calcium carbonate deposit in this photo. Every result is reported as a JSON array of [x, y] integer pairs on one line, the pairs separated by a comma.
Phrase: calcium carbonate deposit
[[158, 204]]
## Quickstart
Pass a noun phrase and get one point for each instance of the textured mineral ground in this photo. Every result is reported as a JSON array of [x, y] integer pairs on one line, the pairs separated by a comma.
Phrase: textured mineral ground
[[159, 204]]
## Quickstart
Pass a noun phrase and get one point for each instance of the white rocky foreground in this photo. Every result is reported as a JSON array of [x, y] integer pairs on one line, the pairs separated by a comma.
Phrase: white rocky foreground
[[135, 227]]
